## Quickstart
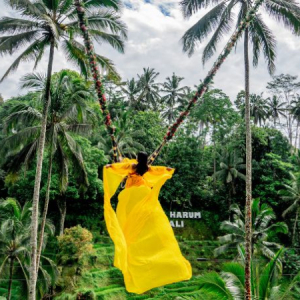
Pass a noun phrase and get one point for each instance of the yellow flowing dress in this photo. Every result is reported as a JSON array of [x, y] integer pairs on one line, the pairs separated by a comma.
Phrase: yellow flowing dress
[[146, 250]]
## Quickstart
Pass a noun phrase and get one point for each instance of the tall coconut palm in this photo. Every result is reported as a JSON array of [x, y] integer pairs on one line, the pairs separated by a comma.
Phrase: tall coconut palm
[[291, 193], [51, 24], [174, 96], [149, 89], [286, 85], [295, 111], [127, 145], [220, 18], [276, 108], [263, 226], [259, 108], [46, 24], [68, 113], [230, 166], [131, 89]]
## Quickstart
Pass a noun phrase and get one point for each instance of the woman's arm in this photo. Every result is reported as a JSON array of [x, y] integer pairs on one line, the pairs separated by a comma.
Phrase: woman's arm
[[122, 168], [158, 170]]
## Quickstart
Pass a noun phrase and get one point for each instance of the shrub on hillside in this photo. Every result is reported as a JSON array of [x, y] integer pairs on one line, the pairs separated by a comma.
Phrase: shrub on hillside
[[75, 246]]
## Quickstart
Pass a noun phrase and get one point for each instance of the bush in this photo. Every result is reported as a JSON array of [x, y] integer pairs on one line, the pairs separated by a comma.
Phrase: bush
[[75, 246]]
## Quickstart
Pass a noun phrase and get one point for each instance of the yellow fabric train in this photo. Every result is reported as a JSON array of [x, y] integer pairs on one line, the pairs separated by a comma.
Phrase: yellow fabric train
[[146, 250]]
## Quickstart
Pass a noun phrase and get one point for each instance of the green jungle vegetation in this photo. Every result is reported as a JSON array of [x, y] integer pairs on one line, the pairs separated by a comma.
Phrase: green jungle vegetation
[[75, 253], [208, 155]]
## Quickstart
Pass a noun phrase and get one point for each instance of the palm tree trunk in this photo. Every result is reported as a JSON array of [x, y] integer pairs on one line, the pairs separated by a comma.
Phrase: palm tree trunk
[[62, 206], [45, 211], [11, 267], [295, 227], [38, 175], [215, 166], [229, 201], [248, 216], [296, 138]]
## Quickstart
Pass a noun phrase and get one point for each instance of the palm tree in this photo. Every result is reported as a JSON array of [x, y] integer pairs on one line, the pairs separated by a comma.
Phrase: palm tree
[[263, 227], [68, 113], [295, 111], [220, 18], [45, 24], [230, 167], [259, 108], [291, 193], [276, 108], [149, 89], [286, 85], [126, 136], [265, 282], [13, 240], [14, 244], [174, 96], [132, 90]]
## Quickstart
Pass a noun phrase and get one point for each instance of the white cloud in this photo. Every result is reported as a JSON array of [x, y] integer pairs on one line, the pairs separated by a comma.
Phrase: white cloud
[[154, 41]]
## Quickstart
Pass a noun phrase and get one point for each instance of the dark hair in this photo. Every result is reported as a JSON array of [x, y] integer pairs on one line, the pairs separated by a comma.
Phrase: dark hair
[[142, 166]]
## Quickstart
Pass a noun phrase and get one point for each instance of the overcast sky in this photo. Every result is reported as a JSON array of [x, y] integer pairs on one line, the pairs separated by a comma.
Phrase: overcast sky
[[155, 28]]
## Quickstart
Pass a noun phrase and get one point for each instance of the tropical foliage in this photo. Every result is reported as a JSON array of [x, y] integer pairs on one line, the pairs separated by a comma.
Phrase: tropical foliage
[[208, 154], [53, 145]]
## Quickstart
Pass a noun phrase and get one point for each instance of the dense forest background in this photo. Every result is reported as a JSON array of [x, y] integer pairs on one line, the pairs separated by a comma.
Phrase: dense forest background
[[208, 154]]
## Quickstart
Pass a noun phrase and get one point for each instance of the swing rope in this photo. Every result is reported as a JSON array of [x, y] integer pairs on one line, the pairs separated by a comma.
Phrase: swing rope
[[97, 78], [200, 91], [203, 86]]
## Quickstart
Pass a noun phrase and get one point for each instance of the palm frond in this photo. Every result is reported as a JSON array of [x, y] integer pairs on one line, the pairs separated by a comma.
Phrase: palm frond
[[36, 81], [114, 40], [202, 28], [214, 284], [285, 11], [11, 43], [107, 20], [237, 269], [103, 20], [26, 7], [189, 7], [112, 4], [223, 28], [262, 37], [64, 169], [14, 205], [266, 276], [74, 52], [223, 249], [291, 208], [27, 134], [76, 156], [108, 65], [12, 25], [30, 53], [231, 227]]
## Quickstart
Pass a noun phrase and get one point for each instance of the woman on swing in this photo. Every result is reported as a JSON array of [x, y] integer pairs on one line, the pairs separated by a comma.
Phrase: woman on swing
[[146, 250]]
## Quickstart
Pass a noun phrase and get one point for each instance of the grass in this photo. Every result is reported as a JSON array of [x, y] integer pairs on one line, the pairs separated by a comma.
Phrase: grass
[[104, 282]]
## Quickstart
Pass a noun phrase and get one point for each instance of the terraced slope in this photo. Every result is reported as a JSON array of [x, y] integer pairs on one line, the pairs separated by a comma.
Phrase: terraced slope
[[104, 282]]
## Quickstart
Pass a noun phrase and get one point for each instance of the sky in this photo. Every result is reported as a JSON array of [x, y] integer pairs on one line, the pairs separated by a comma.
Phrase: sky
[[155, 28]]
